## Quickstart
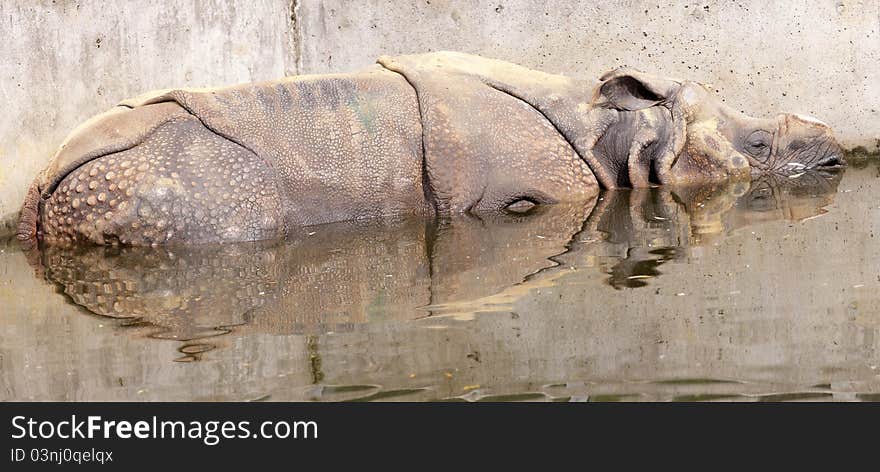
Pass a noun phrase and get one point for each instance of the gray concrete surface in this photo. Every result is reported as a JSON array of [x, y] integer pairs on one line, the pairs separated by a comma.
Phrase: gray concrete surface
[[65, 61]]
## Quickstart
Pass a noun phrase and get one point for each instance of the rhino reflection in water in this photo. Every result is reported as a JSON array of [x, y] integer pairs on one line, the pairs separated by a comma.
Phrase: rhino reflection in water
[[334, 276], [654, 226]]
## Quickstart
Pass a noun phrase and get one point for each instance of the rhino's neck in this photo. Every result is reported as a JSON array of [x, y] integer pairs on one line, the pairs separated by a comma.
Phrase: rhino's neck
[[565, 103], [622, 148]]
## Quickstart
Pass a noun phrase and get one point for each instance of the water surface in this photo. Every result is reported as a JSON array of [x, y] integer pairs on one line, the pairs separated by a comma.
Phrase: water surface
[[768, 290]]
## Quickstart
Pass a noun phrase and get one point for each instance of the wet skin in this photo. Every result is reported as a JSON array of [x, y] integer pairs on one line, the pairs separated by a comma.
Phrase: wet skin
[[332, 278], [430, 135]]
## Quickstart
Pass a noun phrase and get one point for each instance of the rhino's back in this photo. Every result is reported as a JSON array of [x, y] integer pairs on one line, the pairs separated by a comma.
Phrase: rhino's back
[[343, 146]]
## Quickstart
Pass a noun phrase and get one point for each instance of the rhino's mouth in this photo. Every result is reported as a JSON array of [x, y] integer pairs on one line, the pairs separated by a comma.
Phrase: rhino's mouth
[[828, 163], [797, 171], [832, 161]]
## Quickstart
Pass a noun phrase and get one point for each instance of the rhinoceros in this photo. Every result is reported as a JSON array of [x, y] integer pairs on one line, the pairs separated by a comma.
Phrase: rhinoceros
[[427, 135]]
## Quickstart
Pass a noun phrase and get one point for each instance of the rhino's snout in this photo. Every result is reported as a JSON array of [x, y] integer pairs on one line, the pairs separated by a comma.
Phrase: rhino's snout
[[827, 154], [804, 142]]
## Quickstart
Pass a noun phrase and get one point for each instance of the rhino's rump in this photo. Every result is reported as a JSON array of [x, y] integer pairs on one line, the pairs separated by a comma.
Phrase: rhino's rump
[[180, 184]]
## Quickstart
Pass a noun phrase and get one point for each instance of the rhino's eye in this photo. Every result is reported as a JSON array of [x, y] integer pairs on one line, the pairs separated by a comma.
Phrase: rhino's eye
[[758, 144]]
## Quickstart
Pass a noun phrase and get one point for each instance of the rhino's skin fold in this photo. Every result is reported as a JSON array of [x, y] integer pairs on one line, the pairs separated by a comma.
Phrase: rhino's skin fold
[[202, 291], [421, 135]]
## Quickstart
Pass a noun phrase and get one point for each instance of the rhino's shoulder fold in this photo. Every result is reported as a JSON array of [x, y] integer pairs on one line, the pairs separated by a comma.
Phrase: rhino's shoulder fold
[[480, 115], [564, 101]]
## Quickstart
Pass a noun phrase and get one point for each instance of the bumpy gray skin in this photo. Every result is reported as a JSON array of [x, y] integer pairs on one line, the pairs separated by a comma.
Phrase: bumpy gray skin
[[427, 135]]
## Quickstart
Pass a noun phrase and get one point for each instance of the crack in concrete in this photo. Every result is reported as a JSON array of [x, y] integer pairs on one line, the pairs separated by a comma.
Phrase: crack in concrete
[[294, 39]]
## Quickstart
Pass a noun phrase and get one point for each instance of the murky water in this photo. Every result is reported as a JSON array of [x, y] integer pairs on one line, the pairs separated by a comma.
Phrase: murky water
[[761, 291]]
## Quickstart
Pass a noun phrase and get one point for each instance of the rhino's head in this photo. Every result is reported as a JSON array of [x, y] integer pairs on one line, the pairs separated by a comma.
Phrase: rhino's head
[[682, 133]]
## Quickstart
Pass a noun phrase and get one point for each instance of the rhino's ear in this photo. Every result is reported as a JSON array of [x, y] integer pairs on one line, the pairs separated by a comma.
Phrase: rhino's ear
[[630, 90]]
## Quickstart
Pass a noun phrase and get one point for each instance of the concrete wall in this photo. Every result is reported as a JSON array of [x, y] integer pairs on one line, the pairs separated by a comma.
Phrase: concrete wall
[[64, 61]]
